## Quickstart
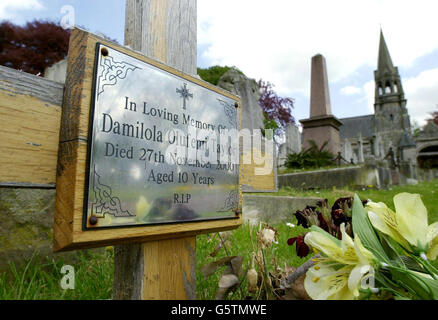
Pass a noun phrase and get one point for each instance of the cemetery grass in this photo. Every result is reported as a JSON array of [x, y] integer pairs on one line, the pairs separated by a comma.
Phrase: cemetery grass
[[295, 170], [36, 280], [427, 189], [94, 271], [39, 279]]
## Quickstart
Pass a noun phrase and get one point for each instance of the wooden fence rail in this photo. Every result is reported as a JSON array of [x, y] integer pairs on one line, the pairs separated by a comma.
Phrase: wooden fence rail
[[30, 113]]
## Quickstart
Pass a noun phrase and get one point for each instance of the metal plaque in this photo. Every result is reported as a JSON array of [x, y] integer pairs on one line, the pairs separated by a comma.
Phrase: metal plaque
[[163, 149]]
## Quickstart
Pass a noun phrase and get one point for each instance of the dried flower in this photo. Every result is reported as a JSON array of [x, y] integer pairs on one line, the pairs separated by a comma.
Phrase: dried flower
[[267, 236]]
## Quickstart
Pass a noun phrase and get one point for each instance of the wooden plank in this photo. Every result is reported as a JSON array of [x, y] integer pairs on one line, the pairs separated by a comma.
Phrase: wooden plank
[[166, 263], [163, 269], [164, 30], [30, 109], [252, 182], [68, 233]]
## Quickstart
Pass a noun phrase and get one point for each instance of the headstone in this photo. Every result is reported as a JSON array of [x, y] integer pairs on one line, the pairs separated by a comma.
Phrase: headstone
[[57, 71], [347, 152], [376, 146], [291, 145], [361, 156], [322, 126], [248, 91], [252, 119]]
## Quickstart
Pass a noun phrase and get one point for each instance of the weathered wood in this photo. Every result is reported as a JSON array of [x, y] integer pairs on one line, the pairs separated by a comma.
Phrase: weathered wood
[[169, 269], [129, 268], [164, 30], [30, 109], [252, 182]]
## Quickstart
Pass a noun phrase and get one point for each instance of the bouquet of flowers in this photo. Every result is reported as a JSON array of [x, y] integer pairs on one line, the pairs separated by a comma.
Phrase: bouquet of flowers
[[368, 251]]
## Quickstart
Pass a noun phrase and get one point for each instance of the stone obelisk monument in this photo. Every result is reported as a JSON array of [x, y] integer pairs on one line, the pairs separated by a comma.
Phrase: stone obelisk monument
[[322, 126]]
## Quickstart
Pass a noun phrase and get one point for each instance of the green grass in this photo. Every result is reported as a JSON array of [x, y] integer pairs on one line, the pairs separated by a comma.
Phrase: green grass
[[35, 280], [94, 271], [294, 170], [427, 189], [240, 245]]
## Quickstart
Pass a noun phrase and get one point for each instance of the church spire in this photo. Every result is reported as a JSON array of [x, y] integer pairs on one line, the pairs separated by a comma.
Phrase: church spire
[[385, 61], [387, 77]]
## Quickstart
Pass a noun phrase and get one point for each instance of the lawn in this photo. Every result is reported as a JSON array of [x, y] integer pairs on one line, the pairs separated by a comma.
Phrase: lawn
[[427, 189], [94, 271]]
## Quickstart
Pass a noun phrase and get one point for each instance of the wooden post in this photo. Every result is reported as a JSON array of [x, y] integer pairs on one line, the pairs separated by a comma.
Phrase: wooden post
[[163, 30]]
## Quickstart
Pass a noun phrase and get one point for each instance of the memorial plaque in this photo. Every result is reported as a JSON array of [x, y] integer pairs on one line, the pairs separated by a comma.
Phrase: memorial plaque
[[145, 152], [162, 149]]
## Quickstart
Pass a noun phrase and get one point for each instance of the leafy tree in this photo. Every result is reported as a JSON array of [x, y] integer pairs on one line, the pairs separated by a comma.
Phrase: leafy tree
[[415, 128], [434, 116], [214, 73], [276, 108], [33, 47]]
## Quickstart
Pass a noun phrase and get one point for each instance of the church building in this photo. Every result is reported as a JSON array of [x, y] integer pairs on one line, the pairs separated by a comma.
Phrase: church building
[[387, 133]]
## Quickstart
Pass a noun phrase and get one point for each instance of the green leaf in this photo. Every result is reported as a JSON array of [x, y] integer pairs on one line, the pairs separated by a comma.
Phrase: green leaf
[[421, 287], [363, 228]]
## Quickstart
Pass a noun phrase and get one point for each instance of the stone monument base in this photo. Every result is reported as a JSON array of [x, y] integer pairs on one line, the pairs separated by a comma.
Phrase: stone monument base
[[322, 129]]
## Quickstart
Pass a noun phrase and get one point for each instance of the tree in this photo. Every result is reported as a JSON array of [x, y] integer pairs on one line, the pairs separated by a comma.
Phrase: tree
[[33, 47], [214, 73], [277, 110], [434, 116]]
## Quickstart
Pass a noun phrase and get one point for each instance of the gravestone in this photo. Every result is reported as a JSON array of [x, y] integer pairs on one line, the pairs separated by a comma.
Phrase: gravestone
[[360, 149], [252, 119], [248, 91], [347, 151], [322, 126], [57, 72], [292, 143]]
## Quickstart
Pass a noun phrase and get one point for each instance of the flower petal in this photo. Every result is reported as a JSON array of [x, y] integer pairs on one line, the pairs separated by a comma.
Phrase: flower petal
[[432, 253], [355, 278], [411, 215], [364, 255], [327, 283], [347, 244], [384, 219], [324, 244], [432, 231]]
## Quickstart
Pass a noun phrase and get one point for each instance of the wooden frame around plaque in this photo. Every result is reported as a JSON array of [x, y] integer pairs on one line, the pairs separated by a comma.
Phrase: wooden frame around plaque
[[72, 158]]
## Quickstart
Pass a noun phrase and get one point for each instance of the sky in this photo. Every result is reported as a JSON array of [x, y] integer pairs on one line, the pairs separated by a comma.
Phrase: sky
[[275, 41]]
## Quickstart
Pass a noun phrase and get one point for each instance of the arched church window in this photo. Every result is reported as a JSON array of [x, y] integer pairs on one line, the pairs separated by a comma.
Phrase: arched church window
[[380, 91], [391, 116], [396, 87], [388, 88]]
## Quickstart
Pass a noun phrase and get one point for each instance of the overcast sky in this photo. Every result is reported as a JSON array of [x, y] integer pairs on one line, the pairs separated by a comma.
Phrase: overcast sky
[[275, 40]]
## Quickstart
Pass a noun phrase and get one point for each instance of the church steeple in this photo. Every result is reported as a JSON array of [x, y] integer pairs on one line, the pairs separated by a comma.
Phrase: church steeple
[[387, 77], [385, 62], [391, 118]]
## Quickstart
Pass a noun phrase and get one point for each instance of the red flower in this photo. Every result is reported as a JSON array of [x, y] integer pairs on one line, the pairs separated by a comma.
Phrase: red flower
[[301, 247]]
